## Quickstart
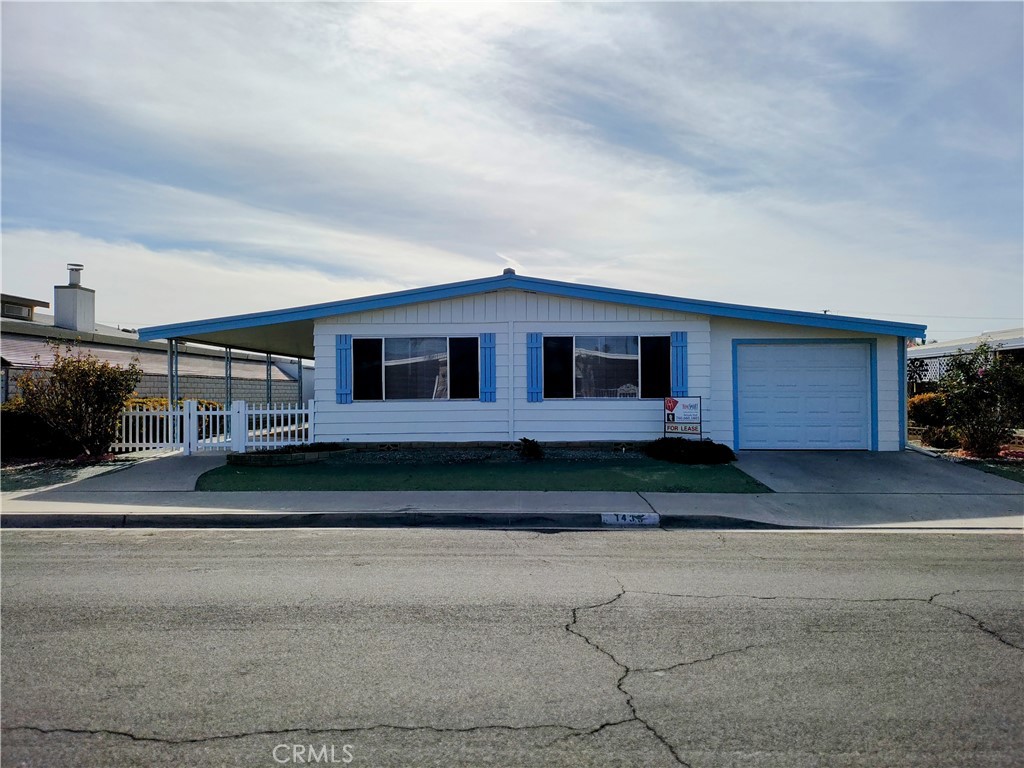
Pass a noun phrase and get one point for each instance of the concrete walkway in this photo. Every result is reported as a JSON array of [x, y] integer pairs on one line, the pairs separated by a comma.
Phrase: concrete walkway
[[830, 491]]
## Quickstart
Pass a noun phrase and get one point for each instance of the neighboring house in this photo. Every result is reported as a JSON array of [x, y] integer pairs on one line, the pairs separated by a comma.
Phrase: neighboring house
[[26, 336], [936, 356], [506, 357]]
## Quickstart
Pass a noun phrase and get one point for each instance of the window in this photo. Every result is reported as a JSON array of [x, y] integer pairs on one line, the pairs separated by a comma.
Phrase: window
[[620, 367], [607, 366], [464, 358], [655, 366], [419, 368], [367, 362], [558, 366]]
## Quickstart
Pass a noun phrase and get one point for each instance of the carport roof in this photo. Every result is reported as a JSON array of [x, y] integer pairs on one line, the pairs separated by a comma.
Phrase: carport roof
[[290, 331]]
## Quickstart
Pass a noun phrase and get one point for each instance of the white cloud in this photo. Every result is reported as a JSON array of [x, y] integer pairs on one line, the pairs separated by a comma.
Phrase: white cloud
[[415, 144], [138, 286]]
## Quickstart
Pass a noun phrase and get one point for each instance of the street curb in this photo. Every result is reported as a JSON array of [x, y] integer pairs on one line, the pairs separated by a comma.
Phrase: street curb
[[481, 520]]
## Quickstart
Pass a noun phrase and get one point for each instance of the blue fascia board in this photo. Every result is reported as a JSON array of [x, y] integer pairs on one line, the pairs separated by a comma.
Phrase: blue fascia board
[[535, 285]]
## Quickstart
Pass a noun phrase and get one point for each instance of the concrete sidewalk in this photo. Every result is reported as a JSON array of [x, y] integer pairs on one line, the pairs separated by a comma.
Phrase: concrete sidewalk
[[158, 493], [521, 509]]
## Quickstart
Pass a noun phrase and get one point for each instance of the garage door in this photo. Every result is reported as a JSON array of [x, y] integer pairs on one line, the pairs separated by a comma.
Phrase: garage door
[[803, 396]]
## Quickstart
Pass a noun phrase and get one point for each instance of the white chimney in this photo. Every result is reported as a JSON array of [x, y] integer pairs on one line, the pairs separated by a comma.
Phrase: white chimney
[[74, 306]]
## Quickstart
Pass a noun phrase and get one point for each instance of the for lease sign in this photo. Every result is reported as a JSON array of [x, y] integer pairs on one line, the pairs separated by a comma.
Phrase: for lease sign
[[682, 416]]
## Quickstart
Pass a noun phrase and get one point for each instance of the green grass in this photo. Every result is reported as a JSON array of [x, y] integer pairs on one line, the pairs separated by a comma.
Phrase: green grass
[[547, 475], [1009, 471]]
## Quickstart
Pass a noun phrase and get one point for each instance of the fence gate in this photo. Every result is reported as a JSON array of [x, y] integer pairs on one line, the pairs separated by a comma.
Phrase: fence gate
[[192, 429]]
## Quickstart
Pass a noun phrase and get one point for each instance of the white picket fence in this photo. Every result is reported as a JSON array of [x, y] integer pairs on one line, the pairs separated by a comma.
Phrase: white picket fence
[[241, 428]]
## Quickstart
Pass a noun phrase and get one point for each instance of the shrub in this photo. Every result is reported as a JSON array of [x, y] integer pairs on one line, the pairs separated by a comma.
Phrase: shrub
[[939, 437], [24, 436], [984, 395], [682, 451], [928, 410], [530, 449], [80, 398]]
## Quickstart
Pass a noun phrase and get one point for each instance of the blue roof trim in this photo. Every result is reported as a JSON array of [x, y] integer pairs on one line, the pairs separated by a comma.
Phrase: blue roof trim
[[537, 285]]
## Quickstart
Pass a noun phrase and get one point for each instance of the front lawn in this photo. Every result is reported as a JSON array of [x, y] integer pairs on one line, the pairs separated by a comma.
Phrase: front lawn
[[1011, 471], [486, 471]]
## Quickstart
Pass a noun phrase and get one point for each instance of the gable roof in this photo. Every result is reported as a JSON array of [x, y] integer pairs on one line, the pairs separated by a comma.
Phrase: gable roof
[[269, 328]]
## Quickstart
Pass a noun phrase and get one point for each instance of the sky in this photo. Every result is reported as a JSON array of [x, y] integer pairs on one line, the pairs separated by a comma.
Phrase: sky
[[212, 159]]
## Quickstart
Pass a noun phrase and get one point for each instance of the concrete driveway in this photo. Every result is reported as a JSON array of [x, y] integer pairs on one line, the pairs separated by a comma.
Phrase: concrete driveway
[[864, 472]]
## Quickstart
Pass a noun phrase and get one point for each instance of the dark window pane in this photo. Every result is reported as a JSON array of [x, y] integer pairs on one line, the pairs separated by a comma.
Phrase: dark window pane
[[464, 364], [367, 383], [416, 369], [557, 366], [655, 367], [607, 366]]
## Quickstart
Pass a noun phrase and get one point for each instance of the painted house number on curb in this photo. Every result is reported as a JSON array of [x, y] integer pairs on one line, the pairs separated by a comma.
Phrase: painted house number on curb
[[630, 519]]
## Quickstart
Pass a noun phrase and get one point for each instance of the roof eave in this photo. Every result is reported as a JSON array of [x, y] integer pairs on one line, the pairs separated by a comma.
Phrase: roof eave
[[537, 285]]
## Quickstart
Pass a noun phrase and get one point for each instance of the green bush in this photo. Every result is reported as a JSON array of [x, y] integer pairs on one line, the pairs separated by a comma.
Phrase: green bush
[[80, 398], [928, 410], [984, 395], [24, 436], [682, 451], [939, 437], [530, 449]]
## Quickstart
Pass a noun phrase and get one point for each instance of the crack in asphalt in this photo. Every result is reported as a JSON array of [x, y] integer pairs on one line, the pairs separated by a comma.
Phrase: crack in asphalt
[[627, 670], [978, 623], [691, 662], [648, 503], [635, 716], [276, 732], [570, 628]]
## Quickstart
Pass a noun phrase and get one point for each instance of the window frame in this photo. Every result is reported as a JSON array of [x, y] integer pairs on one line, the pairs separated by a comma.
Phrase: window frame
[[448, 356], [639, 364]]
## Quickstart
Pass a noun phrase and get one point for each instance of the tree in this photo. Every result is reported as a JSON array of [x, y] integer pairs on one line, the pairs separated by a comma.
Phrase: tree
[[80, 397], [984, 395]]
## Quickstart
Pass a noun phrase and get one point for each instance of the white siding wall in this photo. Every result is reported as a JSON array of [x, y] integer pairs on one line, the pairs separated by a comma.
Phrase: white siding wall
[[505, 314], [719, 416], [554, 420]]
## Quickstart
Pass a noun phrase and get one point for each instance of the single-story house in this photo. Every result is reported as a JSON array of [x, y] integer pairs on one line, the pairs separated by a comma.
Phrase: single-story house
[[27, 335], [1008, 342], [500, 358]]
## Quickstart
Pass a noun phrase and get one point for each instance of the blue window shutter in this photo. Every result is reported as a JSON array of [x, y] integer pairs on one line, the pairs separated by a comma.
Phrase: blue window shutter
[[534, 367], [343, 354], [679, 364], [488, 369]]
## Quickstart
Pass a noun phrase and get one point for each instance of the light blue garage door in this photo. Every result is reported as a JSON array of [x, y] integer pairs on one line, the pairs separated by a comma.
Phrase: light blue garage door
[[804, 396]]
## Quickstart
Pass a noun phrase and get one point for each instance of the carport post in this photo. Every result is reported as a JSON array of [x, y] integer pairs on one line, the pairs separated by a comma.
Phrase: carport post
[[270, 393], [172, 390], [227, 378]]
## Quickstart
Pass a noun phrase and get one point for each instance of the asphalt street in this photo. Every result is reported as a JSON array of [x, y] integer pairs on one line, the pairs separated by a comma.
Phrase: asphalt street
[[440, 648]]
